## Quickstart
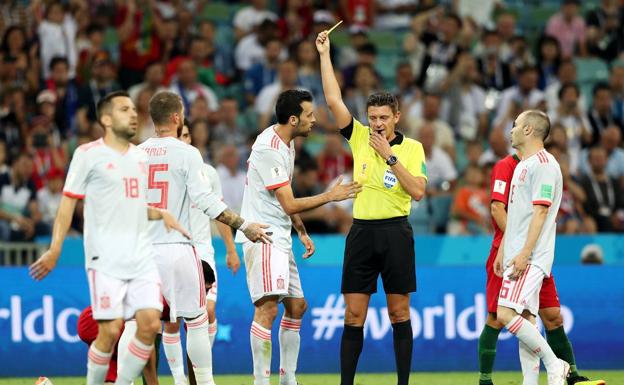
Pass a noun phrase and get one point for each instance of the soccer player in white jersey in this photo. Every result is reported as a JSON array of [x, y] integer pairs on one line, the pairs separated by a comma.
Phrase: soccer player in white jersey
[[202, 241], [110, 174], [177, 178], [528, 250], [272, 275]]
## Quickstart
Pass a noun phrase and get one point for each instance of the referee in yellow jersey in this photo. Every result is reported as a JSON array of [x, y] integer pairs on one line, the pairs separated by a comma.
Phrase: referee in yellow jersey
[[391, 169]]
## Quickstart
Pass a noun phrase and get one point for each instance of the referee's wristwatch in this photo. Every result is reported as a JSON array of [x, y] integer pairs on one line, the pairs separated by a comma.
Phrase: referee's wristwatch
[[392, 160]]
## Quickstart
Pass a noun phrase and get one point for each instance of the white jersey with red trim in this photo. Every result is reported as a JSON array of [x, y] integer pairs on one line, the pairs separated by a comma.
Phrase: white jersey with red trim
[[114, 187], [536, 180], [270, 166], [177, 177], [200, 222]]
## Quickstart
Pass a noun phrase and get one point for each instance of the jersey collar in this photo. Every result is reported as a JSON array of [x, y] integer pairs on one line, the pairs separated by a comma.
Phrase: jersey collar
[[398, 139]]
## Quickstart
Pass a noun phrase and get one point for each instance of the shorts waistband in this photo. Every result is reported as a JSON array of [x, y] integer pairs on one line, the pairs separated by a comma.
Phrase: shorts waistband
[[378, 222]]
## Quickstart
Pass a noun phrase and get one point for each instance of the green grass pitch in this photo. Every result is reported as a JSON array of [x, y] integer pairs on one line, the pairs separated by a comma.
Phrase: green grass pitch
[[500, 378]]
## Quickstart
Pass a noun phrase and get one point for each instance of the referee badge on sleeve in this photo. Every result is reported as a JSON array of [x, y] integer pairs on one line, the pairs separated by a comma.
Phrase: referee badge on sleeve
[[389, 179]]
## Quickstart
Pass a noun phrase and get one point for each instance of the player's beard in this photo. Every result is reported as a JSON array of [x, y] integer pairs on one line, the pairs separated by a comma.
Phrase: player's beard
[[126, 132]]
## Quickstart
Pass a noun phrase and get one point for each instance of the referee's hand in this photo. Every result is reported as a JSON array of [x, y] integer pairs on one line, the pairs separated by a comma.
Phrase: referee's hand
[[340, 192]]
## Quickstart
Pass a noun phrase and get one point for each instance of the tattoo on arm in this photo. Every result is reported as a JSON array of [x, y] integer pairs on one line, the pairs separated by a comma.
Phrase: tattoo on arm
[[230, 218]]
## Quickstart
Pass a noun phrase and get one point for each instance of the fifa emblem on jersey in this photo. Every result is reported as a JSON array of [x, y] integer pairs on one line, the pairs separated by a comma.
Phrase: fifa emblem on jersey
[[500, 186], [105, 302], [523, 175], [389, 179], [280, 283], [277, 172]]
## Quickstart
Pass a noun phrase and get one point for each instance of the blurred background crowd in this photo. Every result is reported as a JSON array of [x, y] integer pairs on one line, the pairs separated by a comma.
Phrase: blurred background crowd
[[462, 70]]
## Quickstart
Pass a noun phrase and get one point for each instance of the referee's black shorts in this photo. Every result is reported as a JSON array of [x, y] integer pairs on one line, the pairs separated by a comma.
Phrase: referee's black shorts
[[373, 247]]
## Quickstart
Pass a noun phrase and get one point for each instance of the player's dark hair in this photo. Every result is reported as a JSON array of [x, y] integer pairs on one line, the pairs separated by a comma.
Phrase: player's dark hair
[[163, 105], [289, 104], [380, 99], [105, 104], [58, 60]]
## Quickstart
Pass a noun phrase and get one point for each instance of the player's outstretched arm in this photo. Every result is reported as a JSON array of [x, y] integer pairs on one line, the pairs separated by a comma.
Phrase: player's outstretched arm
[[253, 231], [303, 236], [232, 260], [333, 96], [155, 214], [337, 192], [46, 263]]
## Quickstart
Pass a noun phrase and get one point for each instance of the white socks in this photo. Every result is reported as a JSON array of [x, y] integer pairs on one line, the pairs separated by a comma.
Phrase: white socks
[[528, 334], [137, 355], [97, 365], [530, 363], [212, 332], [199, 350], [260, 339], [289, 341], [173, 352]]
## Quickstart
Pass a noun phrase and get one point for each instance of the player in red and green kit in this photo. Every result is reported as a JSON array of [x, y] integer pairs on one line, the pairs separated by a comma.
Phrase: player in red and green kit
[[549, 312]]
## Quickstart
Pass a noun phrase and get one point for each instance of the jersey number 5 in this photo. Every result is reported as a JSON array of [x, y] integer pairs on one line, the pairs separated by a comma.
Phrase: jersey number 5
[[163, 186]]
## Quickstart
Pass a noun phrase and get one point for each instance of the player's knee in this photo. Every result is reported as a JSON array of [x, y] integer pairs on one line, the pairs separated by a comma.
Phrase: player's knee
[[111, 330], [355, 316], [300, 309], [149, 327], [267, 312], [398, 314], [552, 319], [504, 315]]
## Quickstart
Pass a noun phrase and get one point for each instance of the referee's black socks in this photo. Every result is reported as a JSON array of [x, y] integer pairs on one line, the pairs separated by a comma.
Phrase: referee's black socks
[[403, 342], [350, 349]]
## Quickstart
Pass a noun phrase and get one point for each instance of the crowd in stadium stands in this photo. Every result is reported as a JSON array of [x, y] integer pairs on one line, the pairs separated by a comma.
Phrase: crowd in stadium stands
[[462, 74]]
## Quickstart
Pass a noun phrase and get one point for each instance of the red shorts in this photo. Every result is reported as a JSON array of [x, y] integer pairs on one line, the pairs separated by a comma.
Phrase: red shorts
[[88, 331], [548, 292]]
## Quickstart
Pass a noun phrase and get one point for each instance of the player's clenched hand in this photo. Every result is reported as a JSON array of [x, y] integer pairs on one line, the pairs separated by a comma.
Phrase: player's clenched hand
[[44, 265], [322, 42], [172, 224], [232, 261], [519, 263], [255, 233], [308, 244], [340, 192]]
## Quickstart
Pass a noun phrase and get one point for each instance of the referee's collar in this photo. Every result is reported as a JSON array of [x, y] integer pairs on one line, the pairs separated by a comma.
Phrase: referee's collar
[[398, 139]]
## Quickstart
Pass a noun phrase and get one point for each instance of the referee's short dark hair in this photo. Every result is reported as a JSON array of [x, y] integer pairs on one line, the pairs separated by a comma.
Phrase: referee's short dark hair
[[289, 104], [380, 99], [105, 104]]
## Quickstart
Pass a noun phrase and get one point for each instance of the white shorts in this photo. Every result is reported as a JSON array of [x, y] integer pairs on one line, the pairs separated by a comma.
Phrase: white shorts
[[114, 298], [523, 293], [271, 271], [206, 253], [182, 279]]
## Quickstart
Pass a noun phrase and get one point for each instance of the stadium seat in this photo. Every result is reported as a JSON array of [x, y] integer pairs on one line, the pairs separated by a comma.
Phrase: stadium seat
[[590, 71], [419, 217]]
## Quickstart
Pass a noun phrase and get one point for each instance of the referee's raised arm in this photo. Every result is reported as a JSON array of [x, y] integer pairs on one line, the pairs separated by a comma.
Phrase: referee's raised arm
[[331, 88]]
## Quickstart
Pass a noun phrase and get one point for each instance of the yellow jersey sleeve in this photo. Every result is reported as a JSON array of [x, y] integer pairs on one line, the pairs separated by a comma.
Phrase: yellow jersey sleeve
[[359, 137], [416, 162]]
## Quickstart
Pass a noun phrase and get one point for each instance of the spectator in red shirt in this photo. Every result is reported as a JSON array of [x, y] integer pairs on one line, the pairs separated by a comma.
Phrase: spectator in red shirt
[[334, 160]]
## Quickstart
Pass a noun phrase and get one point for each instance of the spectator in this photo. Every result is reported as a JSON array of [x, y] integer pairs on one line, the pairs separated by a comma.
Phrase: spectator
[[13, 124], [48, 157], [4, 167], [334, 159], [264, 73], [67, 96], [568, 27], [367, 55], [522, 97], [221, 55], [605, 201], [200, 135], [103, 81], [592, 254], [470, 210], [251, 49], [358, 13], [295, 22], [394, 14], [154, 75], [442, 54], [506, 29], [616, 82], [565, 74], [604, 37], [569, 219], [611, 140], [365, 83], [309, 70], [231, 128], [57, 37], [474, 151], [430, 115], [406, 90], [520, 55], [201, 111], [49, 197], [20, 219], [251, 16], [602, 115], [548, 59], [265, 102], [574, 121], [494, 70], [499, 148], [145, 129], [348, 55], [231, 176], [87, 49], [189, 88], [138, 28], [440, 166], [15, 53]]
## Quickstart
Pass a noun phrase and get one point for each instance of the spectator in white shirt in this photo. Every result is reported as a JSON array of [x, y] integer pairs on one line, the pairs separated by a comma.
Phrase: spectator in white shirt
[[247, 18], [287, 79], [251, 49], [430, 114], [499, 148], [522, 97], [189, 88], [57, 37], [440, 167], [154, 76], [232, 178], [49, 197]]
